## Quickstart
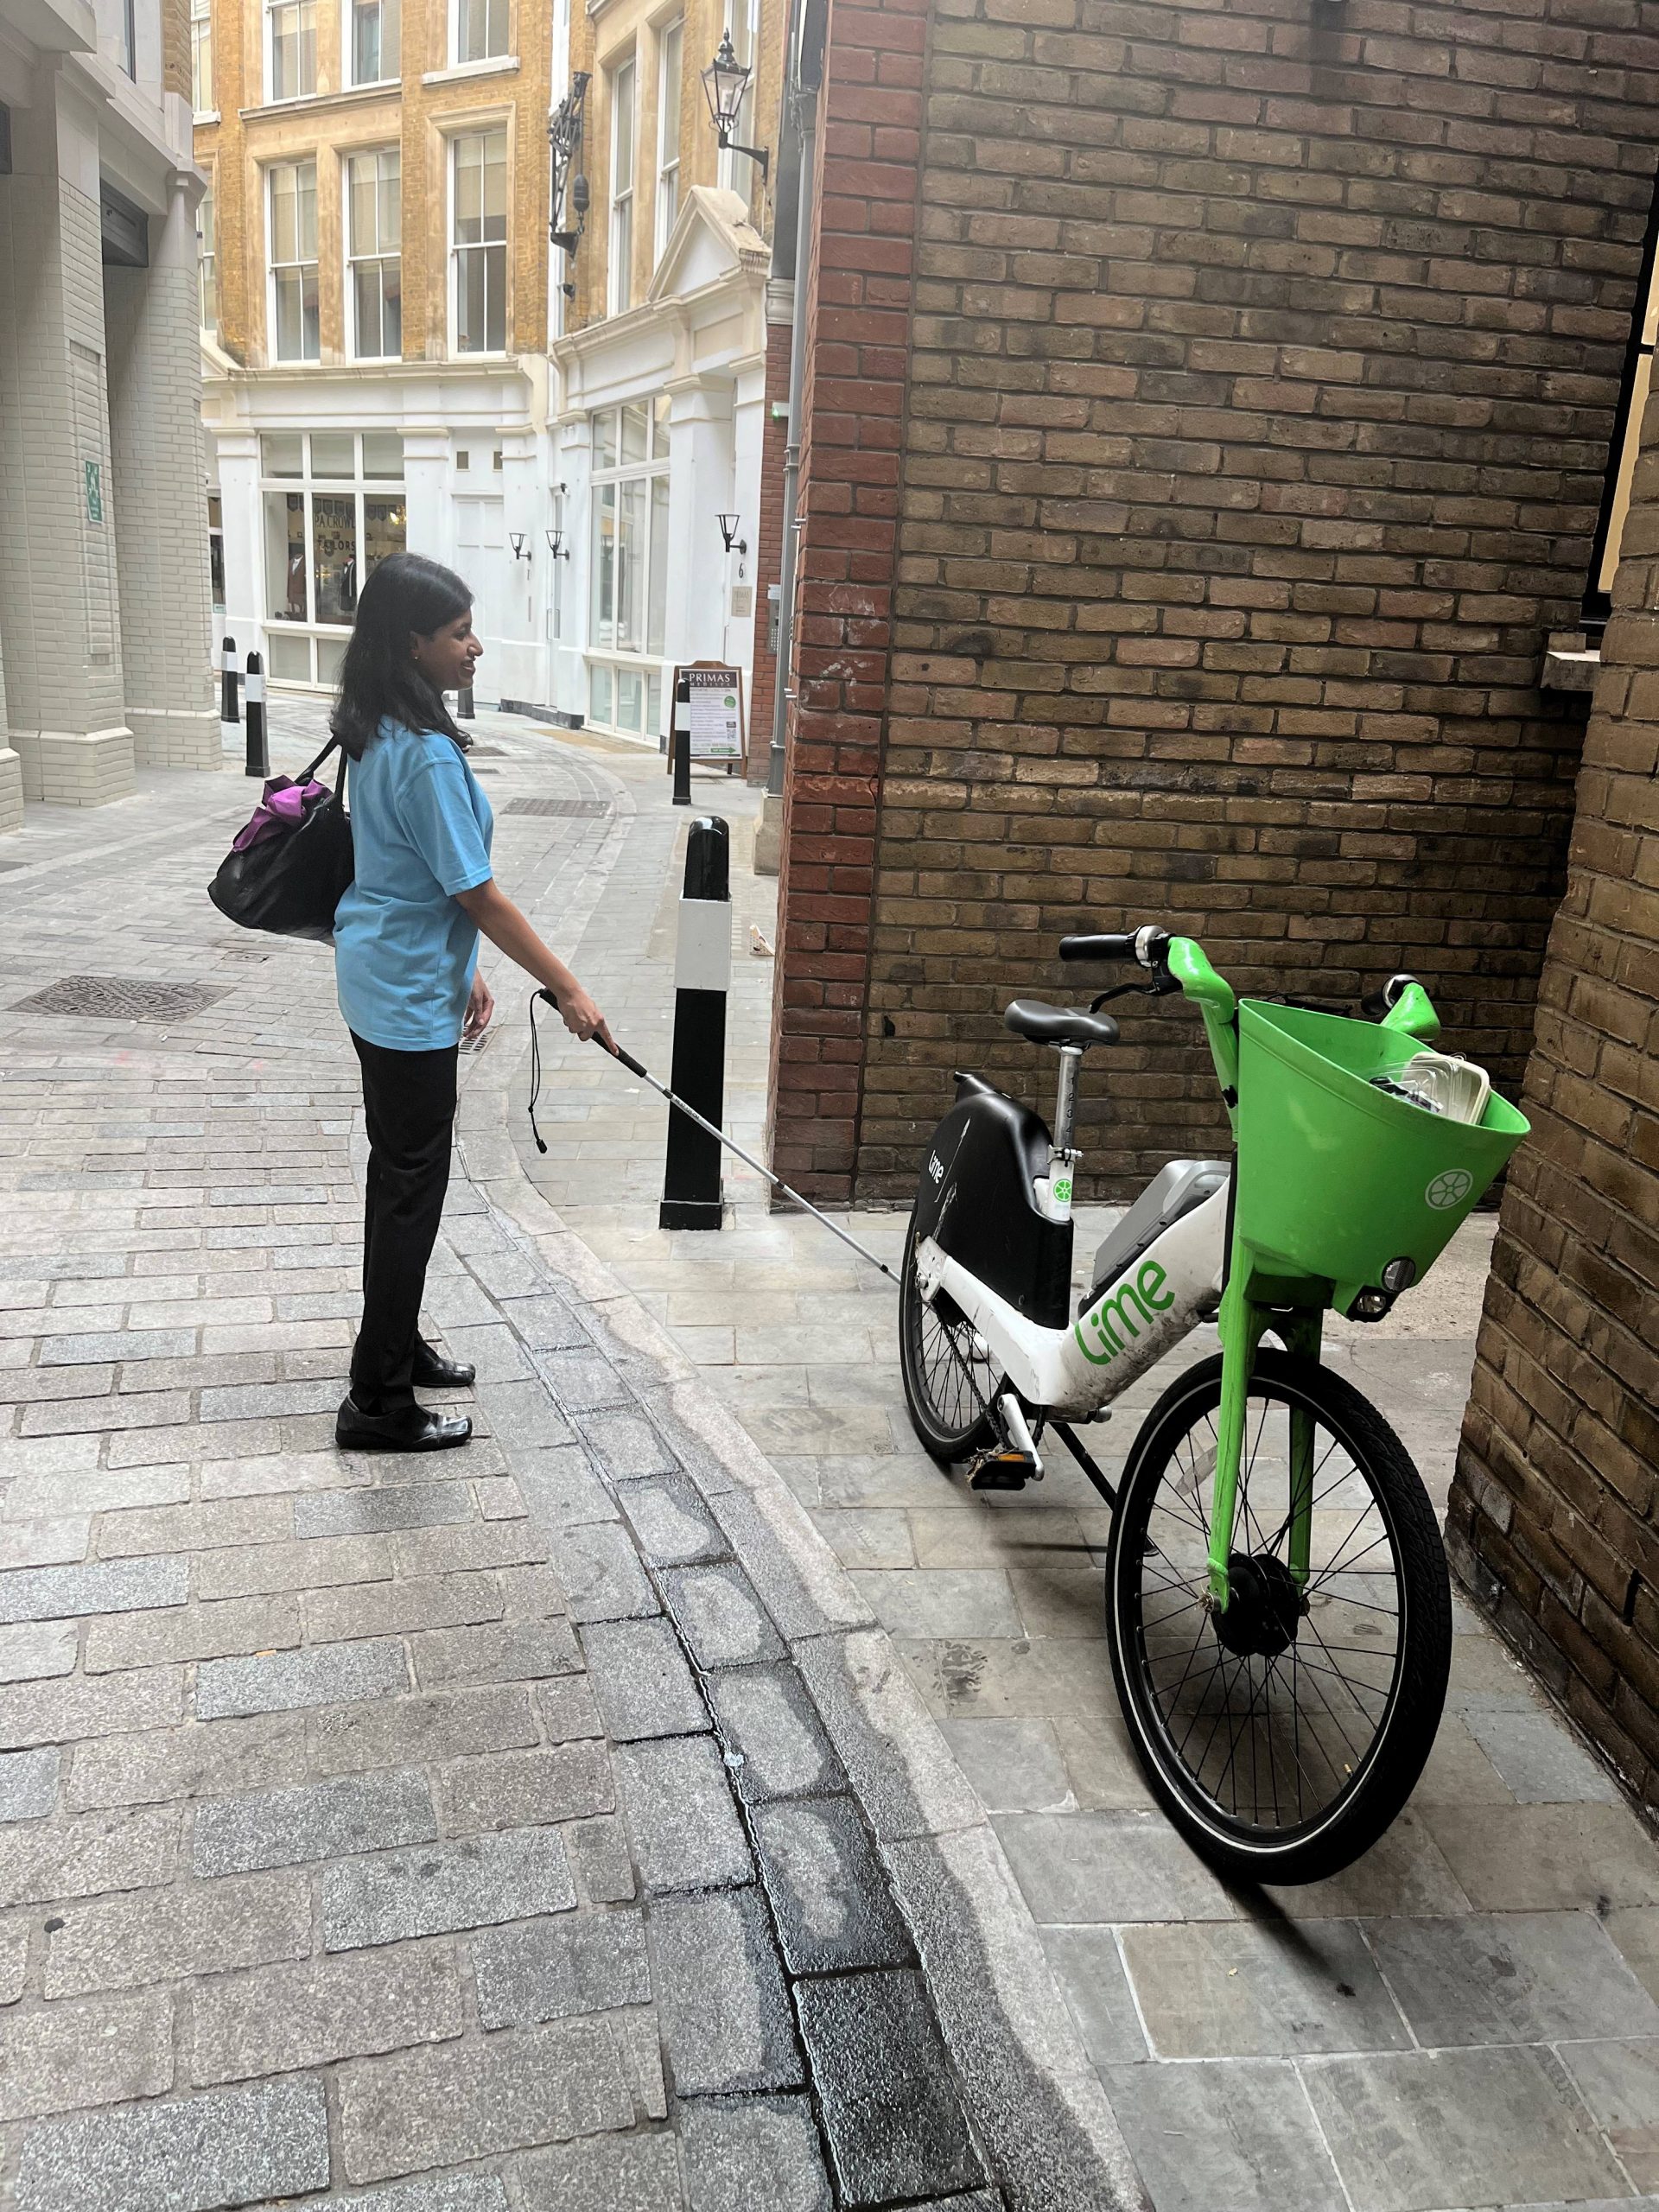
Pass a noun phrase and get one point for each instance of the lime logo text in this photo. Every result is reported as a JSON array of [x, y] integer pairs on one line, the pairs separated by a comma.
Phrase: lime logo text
[[1113, 1323]]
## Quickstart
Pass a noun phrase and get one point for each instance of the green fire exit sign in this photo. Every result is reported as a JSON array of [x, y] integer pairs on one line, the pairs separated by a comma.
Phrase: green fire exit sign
[[94, 491]]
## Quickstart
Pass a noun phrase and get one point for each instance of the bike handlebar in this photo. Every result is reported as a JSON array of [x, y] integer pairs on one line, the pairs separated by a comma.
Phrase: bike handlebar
[[1097, 948], [1147, 945]]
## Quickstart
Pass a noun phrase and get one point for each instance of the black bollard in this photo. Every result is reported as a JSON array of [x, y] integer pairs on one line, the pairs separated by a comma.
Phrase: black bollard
[[228, 715], [703, 977], [680, 745], [464, 703], [259, 762]]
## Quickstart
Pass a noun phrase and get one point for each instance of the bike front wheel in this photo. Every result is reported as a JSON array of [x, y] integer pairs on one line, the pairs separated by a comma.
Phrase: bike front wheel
[[1283, 1735]]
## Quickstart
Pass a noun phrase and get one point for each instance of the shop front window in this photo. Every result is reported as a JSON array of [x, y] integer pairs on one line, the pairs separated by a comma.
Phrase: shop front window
[[629, 567], [333, 510]]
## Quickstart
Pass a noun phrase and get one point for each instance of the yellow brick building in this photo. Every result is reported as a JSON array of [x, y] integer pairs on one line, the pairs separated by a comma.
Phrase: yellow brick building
[[394, 354]]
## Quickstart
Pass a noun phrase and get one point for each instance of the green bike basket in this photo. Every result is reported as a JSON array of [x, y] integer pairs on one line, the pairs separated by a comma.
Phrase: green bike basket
[[1336, 1178]]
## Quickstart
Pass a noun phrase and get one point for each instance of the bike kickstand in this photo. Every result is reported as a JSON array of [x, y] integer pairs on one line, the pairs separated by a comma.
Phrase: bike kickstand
[[1085, 1460]]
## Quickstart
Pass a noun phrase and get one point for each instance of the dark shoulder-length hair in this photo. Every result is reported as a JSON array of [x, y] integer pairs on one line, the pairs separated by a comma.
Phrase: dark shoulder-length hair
[[407, 596]]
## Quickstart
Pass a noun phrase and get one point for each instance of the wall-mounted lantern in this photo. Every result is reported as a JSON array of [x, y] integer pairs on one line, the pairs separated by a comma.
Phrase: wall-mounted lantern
[[725, 80]]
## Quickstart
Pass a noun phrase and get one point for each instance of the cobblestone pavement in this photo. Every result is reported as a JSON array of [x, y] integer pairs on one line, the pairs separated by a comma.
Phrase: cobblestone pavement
[[1466, 2018], [546, 1824]]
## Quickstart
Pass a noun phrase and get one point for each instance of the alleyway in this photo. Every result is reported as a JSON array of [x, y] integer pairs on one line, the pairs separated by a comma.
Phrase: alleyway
[[688, 1798]]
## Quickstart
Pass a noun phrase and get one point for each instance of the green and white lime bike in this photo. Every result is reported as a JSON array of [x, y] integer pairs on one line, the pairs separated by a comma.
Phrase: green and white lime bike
[[1276, 1593]]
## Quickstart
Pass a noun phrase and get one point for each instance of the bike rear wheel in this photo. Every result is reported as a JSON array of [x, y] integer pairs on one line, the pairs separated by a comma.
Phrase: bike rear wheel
[[949, 1381], [1282, 1736]]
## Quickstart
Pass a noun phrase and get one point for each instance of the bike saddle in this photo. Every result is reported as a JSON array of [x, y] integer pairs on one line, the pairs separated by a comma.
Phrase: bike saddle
[[1058, 1025]]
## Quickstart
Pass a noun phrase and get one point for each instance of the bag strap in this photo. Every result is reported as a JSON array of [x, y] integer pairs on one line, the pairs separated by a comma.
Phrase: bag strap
[[306, 775]]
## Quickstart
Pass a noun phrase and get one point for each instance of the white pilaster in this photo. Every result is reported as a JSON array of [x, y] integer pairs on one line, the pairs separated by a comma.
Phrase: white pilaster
[[58, 602], [700, 487], [238, 487], [159, 524]]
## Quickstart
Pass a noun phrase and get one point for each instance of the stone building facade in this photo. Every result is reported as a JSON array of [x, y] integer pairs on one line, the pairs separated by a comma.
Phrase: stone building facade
[[660, 362], [374, 312], [104, 602], [1207, 415], [395, 355], [1552, 1514]]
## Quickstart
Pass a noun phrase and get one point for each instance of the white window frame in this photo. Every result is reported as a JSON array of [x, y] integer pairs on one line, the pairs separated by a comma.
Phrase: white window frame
[[275, 169], [460, 60], [272, 9], [208, 258], [493, 128], [201, 58], [348, 76], [378, 258], [650, 668], [667, 199], [619, 264]]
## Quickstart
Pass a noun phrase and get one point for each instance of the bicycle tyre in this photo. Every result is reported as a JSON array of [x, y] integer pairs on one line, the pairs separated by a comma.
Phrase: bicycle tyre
[[949, 1431], [1383, 1774]]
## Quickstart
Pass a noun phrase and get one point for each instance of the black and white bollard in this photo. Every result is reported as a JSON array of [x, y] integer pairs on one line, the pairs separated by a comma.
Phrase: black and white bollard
[[228, 715], [679, 746], [258, 763], [702, 978]]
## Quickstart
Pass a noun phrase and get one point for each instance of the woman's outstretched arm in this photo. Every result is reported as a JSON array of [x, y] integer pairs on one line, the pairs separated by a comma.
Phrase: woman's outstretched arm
[[504, 925]]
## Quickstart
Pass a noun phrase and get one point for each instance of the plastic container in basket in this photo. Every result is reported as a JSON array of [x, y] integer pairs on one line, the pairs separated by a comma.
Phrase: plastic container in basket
[[1336, 1178]]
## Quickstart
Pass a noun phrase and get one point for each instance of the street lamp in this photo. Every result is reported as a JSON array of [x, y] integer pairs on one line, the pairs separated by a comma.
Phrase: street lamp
[[564, 141], [725, 80]]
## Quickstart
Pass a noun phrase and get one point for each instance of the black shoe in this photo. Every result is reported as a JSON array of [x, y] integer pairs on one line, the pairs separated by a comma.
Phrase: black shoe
[[410, 1428], [432, 1371]]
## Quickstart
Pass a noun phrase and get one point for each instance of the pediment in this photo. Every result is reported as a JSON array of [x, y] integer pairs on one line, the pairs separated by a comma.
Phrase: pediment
[[712, 241]]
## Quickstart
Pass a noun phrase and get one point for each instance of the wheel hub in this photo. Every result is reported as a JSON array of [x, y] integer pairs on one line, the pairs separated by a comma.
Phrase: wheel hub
[[1264, 1606]]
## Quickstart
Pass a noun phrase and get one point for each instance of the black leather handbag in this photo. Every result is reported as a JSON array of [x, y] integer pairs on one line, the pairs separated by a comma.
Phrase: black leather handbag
[[289, 868]]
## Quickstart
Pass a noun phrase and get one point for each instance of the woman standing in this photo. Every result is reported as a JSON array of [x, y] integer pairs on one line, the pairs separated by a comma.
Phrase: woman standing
[[406, 968]]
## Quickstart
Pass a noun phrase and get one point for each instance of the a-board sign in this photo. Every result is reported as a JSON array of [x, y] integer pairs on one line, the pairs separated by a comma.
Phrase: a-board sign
[[714, 712]]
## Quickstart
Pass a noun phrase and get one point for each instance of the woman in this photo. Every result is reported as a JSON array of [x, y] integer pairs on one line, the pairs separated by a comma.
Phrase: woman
[[406, 968]]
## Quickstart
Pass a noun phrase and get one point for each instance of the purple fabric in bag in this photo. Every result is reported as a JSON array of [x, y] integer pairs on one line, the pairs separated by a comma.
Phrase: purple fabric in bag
[[282, 807]]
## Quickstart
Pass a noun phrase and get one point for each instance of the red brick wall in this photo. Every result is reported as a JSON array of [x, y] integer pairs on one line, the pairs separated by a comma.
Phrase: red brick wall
[[1261, 368], [1551, 1524], [862, 271], [769, 550]]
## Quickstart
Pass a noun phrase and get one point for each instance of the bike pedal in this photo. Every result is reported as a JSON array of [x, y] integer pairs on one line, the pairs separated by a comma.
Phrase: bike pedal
[[1005, 1470]]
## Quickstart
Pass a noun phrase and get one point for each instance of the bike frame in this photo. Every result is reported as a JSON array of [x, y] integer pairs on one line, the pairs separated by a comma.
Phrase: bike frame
[[1187, 1275]]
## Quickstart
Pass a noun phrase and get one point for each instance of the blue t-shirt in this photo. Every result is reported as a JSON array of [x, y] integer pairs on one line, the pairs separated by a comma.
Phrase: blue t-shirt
[[404, 949]]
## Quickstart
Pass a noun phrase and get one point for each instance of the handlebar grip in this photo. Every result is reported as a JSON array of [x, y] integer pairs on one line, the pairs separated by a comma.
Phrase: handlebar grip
[[1118, 947]]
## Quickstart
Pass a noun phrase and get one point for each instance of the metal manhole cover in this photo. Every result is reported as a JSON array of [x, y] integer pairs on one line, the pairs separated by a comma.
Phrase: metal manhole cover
[[579, 810], [476, 752], [120, 998]]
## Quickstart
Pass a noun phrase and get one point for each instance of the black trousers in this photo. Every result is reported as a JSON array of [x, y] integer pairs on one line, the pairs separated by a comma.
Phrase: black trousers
[[408, 1100]]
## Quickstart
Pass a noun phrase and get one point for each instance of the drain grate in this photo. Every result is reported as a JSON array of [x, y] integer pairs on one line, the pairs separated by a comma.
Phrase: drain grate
[[575, 810], [120, 998]]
